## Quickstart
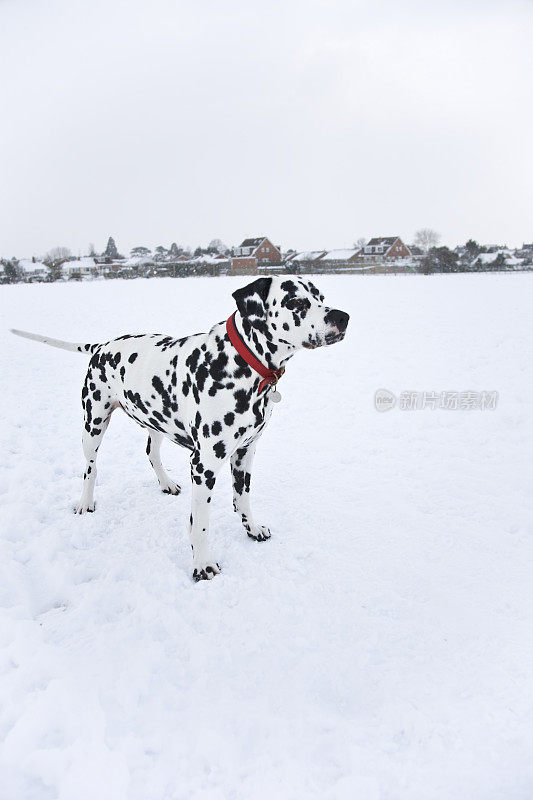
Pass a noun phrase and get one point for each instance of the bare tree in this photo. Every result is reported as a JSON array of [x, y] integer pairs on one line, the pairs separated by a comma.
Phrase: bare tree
[[217, 245], [58, 254], [360, 243], [92, 251], [426, 238]]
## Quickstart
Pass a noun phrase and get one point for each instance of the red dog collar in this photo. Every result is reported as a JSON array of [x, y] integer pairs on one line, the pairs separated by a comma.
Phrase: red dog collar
[[270, 376]]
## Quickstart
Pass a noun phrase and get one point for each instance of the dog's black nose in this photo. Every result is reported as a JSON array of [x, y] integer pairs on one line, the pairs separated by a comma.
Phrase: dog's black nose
[[337, 318]]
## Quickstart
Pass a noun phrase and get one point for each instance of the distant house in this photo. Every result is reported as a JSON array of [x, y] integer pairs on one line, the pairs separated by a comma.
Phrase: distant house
[[525, 252], [504, 257], [104, 261], [340, 258], [109, 266], [254, 252], [486, 258], [307, 257], [384, 248], [202, 264], [218, 261], [83, 266], [140, 257], [34, 271]]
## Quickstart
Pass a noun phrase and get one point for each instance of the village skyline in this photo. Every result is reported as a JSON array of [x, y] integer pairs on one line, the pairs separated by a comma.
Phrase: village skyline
[[226, 245], [259, 255]]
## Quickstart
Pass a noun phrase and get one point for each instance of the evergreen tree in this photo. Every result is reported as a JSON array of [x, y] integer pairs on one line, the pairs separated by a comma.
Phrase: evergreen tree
[[439, 259], [55, 270], [427, 265], [499, 262], [472, 248], [12, 271], [111, 249]]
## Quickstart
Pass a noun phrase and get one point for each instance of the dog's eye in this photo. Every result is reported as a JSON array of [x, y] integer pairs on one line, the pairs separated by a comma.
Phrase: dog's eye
[[298, 304]]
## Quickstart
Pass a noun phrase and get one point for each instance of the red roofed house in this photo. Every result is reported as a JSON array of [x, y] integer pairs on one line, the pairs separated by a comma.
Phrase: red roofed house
[[252, 252], [384, 248]]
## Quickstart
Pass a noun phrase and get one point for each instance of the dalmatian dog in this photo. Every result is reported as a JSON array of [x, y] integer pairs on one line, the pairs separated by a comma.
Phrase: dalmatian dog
[[212, 393]]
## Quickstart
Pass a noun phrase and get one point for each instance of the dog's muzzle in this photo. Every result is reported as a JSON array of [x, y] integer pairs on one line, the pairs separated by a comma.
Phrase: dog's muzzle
[[337, 322]]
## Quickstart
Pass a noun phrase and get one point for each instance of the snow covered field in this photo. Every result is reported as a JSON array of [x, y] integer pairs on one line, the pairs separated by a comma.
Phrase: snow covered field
[[378, 647]]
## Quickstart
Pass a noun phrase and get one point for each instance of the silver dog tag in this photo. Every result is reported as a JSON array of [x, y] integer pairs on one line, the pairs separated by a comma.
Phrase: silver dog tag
[[275, 396]]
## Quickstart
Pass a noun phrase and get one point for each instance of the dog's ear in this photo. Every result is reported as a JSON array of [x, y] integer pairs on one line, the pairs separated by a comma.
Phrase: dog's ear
[[251, 299]]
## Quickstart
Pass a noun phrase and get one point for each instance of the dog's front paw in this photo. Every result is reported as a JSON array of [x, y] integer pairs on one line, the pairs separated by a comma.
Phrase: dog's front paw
[[206, 572], [170, 487], [260, 533], [84, 508]]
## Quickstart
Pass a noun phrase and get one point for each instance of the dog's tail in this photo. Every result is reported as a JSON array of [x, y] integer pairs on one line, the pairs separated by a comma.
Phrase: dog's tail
[[76, 347]]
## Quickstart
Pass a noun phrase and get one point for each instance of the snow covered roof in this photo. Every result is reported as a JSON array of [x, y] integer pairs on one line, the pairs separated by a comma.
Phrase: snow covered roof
[[207, 258], [211, 258], [510, 258], [255, 242], [309, 255], [134, 261], [383, 240], [340, 255], [84, 262]]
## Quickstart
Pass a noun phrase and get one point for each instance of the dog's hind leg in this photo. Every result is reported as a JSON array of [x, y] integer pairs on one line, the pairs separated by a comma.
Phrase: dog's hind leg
[[241, 471], [97, 418], [153, 451]]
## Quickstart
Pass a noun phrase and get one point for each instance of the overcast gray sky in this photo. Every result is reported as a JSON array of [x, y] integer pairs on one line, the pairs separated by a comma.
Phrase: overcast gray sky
[[314, 123]]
